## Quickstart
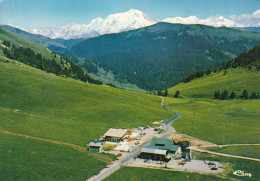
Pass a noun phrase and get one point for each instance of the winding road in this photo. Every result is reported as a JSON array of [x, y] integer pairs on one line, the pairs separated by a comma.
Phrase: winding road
[[168, 129]]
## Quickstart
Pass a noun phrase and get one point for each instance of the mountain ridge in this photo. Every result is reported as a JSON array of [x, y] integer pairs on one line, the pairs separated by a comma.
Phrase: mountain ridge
[[158, 55], [113, 23]]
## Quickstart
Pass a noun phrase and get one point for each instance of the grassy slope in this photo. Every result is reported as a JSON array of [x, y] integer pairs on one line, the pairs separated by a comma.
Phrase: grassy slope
[[139, 174], [235, 80], [68, 110], [247, 166], [249, 151], [18, 40], [228, 121], [65, 110], [26, 159]]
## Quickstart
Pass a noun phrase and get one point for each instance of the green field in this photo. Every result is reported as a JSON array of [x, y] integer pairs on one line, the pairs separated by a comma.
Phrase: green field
[[234, 80], [43, 105], [68, 110], [248, 151], [136, 174], [233, 164], [20, 41], [27, 159], [220, 121]]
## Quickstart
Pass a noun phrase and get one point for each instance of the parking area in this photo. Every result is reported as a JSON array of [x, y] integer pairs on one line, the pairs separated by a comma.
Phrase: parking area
[[193, 165]]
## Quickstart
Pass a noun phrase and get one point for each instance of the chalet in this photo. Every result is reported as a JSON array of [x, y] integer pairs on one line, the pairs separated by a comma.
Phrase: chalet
[[95, 146], [116, 135], [160, 149]]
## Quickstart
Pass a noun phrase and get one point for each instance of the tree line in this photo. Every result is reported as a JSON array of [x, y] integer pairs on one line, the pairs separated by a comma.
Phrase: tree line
[[59, 66], [245, 95], [162, 93], [247, 59]]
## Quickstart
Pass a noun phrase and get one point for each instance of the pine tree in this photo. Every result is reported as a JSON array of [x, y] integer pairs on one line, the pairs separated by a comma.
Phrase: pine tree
[[224, 95], [244, 95], [253, 95], [217, 95], [159, 93], [177, 93], [165, 93], [232, 95]]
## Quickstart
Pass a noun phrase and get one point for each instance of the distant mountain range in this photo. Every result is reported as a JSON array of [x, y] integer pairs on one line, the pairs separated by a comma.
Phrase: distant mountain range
[[129, 20], [57, 45], [114, 23], [157, 56]]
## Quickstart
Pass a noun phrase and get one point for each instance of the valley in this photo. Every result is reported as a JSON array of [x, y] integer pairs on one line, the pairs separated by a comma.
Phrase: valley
[[130, 97]]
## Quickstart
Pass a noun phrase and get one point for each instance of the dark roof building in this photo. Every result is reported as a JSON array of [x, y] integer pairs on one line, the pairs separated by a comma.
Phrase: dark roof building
[[160, 149]]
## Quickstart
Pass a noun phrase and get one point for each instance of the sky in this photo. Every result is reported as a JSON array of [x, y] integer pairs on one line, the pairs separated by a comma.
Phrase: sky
[[29, 14]]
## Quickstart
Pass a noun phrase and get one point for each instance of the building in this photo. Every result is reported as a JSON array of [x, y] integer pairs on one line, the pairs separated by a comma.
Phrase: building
[[160, 149], [116, 135], [95, 146]]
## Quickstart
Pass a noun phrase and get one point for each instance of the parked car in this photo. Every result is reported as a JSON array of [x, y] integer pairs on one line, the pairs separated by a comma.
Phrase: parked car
[[181, 163], [211, 163], [119, 154], [213, 168], [149, 161]]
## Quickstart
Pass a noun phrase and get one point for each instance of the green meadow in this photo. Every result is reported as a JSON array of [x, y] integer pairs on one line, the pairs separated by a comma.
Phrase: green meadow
[[219, 121], [233, 164], [233, 80], [248, 151], [20, 41], [27, 159], [43, 105], [139, 174], [68, 110]]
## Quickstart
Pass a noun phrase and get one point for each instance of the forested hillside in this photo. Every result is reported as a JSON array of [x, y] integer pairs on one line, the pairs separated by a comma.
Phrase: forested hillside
[[155, 57], [25, 51]]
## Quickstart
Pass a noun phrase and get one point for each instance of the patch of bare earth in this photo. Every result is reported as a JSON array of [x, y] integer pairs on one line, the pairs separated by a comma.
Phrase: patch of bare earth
[[176, 136]]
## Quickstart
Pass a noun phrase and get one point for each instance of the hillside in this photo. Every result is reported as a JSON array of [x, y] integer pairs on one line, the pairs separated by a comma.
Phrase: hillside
[[157, 56], [43, 105], [58, 45], [222, 121], [237, 74], [18, 48]]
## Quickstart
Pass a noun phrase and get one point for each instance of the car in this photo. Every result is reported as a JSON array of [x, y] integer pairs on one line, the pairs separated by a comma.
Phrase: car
[[149, 161], [213, 168], [107, 166], [181, 163]]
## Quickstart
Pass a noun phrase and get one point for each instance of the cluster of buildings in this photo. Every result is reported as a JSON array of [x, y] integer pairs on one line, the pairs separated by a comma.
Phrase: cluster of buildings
[[158, 149], [112, 135]]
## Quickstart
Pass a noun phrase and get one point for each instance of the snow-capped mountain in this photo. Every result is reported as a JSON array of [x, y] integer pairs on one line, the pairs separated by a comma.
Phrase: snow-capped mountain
[[114, 23]]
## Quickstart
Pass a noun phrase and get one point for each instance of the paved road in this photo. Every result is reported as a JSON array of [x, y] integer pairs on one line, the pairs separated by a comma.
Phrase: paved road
[[168, 129]]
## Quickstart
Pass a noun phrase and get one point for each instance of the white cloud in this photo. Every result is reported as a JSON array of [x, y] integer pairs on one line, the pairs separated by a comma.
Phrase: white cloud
[[216, 21], [248, 19]]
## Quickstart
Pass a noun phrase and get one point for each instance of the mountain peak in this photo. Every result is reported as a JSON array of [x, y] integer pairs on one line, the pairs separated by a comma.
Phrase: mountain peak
[[114, 23]]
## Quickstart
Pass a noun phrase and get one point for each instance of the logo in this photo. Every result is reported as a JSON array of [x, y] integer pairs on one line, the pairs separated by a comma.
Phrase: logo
[[242, 173]]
